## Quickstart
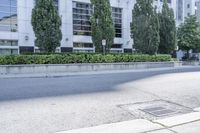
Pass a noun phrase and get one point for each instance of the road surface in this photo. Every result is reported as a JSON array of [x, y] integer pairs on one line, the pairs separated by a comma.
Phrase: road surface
[[49, 105]]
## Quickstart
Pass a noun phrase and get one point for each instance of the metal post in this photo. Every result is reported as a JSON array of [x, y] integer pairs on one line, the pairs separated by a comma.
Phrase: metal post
[[104, 46], [104, 49]]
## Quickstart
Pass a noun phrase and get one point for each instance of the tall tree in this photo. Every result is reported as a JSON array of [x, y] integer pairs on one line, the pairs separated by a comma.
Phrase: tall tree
[[189, 34], [46, 24], [102, 25], [167, 30], [145, 27]]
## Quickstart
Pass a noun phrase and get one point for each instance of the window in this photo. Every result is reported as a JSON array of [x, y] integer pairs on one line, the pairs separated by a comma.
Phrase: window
[[81, 18], [8, 47], [117, 19], [83, 45], [188, 5], [8, 15], [118, 46], [8, 51], [8, 43], [180, 9]]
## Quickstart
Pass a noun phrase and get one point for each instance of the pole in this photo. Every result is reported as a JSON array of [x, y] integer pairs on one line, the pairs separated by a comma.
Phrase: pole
[[104, 46], [104, 49]]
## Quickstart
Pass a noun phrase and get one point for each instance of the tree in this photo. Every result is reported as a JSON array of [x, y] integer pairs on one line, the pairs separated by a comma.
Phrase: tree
[[189, 34], [167, 30], [102, 25], [46, 24], [145, 27]]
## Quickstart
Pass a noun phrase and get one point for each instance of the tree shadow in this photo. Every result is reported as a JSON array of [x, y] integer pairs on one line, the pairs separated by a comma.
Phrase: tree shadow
[[30, 88]]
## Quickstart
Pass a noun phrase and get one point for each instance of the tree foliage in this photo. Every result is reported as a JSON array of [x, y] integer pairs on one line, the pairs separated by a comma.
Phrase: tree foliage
[[46, 24], [189, 34], [102, 24], [167, 30], [145, 27]]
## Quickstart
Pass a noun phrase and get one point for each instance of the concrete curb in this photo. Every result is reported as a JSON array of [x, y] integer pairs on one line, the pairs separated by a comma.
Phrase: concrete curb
[[179, 120], [134, 126], [142, 126]]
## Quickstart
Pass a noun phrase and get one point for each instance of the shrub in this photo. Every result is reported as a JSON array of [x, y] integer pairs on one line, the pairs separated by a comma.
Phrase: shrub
[[80, 58]]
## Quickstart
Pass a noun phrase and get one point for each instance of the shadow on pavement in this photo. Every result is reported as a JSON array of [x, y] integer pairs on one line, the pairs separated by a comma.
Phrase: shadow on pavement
[[28, 88]]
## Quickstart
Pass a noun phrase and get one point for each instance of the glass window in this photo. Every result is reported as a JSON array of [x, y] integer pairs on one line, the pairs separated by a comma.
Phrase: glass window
[[116, 46], [8, 51], [83, 45], [180, 9], [8, 43], [8, 15], [81, 18], [117, 19]]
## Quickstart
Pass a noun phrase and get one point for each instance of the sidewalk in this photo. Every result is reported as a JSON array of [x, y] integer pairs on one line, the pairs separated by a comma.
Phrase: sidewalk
[[187, 123]]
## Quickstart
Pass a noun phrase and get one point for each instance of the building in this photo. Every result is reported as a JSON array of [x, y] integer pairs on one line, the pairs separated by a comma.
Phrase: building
[[17, 36], [198, 9], [186, 8]]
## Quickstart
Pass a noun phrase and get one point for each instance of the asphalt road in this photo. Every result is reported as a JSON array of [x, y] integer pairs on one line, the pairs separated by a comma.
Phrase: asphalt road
[[48, 105]]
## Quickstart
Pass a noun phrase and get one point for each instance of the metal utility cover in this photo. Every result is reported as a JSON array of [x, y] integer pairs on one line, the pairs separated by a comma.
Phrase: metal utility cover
[[159, 111]]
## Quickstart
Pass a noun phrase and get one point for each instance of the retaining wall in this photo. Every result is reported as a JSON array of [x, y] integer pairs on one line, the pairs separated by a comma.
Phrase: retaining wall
[[34, 69]]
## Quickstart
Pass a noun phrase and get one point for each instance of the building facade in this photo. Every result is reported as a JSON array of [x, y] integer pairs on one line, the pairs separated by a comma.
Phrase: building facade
[[17, 36], [186, 8]]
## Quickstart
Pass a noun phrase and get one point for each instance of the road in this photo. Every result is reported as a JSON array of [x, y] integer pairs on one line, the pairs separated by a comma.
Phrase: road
[[49, 105]]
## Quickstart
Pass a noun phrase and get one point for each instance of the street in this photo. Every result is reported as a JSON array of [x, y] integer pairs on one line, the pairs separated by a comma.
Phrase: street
[[49, 105]]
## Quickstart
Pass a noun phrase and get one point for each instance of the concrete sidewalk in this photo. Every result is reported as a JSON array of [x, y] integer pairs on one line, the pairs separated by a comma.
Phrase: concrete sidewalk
[[187, 123]]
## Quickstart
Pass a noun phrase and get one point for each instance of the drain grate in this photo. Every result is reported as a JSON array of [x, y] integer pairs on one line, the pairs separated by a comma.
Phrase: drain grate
[[159, 111], [153, 110]]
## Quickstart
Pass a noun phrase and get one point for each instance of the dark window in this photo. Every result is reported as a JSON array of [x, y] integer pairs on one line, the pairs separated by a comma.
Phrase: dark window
[[83, 45], [117, 19], [81, 18]]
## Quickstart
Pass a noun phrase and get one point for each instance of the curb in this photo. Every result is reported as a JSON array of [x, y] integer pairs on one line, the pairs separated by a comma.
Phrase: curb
[[142, 125], [139, 125]]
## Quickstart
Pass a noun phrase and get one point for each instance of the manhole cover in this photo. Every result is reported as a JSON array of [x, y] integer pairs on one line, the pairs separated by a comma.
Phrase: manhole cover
[[159, 111], [155, 109]]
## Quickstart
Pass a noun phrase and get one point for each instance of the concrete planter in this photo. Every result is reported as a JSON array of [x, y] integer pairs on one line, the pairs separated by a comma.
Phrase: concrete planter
[[66, 68]]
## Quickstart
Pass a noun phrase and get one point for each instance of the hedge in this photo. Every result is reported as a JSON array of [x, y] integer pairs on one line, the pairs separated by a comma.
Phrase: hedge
[[80, 58]]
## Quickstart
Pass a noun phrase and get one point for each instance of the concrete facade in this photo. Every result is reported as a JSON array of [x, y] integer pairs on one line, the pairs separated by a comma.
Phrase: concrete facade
[[24, 35]]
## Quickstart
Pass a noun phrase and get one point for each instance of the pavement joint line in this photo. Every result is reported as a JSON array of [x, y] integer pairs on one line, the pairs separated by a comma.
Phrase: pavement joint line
[[184, 123], [169, 127], [164, 127]]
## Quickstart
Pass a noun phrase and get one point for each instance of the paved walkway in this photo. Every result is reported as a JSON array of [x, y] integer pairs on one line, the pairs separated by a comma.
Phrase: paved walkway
[[187, 123]]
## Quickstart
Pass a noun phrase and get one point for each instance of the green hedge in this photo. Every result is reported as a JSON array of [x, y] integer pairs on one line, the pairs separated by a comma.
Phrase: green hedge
[[80, 58]]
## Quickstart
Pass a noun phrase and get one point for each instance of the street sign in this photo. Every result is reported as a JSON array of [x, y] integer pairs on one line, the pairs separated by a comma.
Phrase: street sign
[[104, 42]]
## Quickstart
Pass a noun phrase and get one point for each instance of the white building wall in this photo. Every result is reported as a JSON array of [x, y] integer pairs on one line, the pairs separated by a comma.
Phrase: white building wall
[[65, 10], [26, 37], [25, 34]]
